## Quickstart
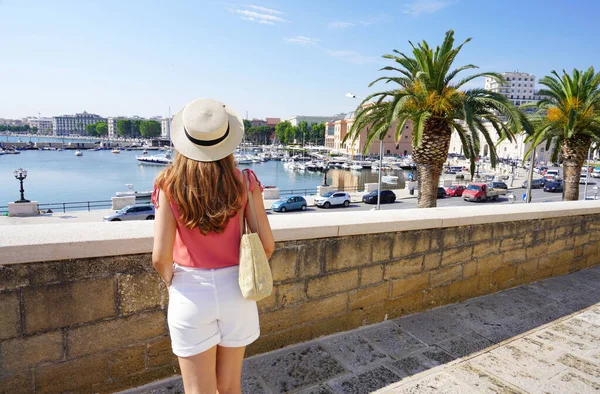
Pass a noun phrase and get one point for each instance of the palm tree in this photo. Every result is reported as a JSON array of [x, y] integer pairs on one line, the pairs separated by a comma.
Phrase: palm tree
[[568, 118], [427, 95]]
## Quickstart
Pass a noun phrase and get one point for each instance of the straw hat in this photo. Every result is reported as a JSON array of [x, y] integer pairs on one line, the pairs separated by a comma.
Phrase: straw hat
[[206, 130]]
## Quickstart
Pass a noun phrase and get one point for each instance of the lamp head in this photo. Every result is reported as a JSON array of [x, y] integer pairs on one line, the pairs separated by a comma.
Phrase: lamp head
[[20, 173]]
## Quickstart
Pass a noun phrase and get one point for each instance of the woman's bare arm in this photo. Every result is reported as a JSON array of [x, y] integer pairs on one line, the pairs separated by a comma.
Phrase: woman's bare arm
[[165, 227], [263, 228]]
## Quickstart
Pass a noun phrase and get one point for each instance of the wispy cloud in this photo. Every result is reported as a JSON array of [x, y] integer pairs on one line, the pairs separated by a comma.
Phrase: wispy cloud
[[267, 10], [351, 56], [266, 16], [341, 25], [301, 40], [418, 7]]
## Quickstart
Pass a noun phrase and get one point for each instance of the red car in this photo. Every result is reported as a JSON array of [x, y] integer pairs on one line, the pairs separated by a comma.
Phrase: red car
[[455, 191]]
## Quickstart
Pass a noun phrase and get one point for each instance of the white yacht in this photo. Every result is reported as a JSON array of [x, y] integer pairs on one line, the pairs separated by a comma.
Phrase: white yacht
[[356, 166], [346, 166], [132, 192], [78, 153], [154, 160], [117, 150]]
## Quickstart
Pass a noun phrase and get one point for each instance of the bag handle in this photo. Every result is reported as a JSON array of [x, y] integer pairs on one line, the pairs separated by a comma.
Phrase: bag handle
[[249, 201]]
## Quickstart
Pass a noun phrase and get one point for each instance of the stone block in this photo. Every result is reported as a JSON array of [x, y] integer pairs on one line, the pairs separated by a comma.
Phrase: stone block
[[515, 256], [404, 267], [45, 273], [469, 269], [374, 313], [382, 248], [432, 261], [290, 293], [407, 243], [283, 263], [405, 305], [457, 255], [344, 253], [10, 323], [127, 361], [555, 246], [332, 283], [366, 382], [393, 340], [13, 276], [482, 232], [139, 379], [526, 271], [490, 263], [501, 276], [463, 289], [534, 252], [114, 334], [268, 303], [563, 232], [104, 267], [77, 375], [354, 350], [410, 285], [23, 209], [62, 305], [536, 238], [371, 275], [26, 352], [508, 229], [160, 352], [369, 295], [138, 292], [582, 239], [445, 275], [435, 297], [310, 256], [455, 237], [20, 382], [122, 202], [486, 248], [310, 311], [514, 242]]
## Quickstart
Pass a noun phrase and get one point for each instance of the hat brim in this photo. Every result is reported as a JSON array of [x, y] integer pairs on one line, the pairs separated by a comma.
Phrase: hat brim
[[207, 153]]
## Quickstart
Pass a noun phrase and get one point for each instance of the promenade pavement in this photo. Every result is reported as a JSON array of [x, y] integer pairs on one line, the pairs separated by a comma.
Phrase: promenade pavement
[[539, 338]]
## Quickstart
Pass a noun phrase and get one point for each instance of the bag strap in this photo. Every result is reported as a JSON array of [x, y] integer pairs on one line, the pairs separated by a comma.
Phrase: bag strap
[[251, 203], [242, 212]]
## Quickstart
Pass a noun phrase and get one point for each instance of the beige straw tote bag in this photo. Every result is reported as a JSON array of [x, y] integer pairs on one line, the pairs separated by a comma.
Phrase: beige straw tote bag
[[255, 279]]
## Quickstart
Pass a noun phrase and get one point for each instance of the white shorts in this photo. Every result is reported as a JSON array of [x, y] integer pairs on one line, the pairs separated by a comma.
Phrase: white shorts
[[206, 308]]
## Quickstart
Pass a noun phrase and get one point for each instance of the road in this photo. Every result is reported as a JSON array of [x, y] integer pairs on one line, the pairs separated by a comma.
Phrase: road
[[537, 195]]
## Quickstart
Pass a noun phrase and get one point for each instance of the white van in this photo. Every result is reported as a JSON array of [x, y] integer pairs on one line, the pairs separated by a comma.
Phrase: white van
[[596, 173], [553, 173]]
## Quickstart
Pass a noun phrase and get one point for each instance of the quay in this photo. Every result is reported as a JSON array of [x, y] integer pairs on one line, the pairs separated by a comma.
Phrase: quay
[[470, 294]]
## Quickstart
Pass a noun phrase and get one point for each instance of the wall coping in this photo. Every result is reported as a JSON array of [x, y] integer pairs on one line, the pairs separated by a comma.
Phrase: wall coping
[[62, 241]]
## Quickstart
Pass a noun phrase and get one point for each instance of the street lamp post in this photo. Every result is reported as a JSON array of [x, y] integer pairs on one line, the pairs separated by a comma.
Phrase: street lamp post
[[21, 174], [350, 95]]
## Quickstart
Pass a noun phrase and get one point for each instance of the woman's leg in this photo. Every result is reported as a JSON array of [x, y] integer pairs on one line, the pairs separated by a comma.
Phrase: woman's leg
[[199, 372], [229, 369]]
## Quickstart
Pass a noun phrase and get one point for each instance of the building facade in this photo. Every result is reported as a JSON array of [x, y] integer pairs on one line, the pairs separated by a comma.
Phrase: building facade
[[519, 87], [295, 120], [44, 125], [74, 124], [165, 127], [273, 122], [11, 122]]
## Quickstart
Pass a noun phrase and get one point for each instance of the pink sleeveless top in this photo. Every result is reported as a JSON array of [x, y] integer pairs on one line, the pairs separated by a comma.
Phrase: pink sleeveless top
[[192, 249]]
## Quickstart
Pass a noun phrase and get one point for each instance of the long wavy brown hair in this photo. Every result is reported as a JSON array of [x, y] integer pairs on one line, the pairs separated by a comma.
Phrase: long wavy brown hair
[[207, 194]]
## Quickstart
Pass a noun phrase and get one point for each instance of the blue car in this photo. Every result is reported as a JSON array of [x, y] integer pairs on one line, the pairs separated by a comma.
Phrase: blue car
[[289, 204]]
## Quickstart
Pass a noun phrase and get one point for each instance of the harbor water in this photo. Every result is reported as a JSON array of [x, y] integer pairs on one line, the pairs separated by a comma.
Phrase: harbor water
[[60, 176]]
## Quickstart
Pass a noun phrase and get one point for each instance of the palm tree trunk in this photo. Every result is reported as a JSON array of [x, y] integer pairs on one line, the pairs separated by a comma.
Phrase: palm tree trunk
[[574, 151], [429, 158]]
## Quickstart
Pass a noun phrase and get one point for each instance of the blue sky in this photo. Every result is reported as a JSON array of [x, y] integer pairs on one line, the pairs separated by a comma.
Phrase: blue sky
[[269, 58]]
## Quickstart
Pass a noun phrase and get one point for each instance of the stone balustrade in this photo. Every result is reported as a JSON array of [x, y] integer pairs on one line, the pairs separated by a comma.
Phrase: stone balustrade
[[82, 310]]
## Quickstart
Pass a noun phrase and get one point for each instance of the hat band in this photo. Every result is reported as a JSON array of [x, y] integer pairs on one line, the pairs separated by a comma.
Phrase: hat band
[[209, 142]]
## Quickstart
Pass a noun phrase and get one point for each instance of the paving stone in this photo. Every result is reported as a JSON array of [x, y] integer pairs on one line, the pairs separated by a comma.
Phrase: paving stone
[[421, 361], [482, 380], [353, 351], [466, 344], [392, 339], [577, 303], [250, 382], [296, 368], [540, 364], [365, 382], [591, 316], [575, 333], [321, 389], [589, 277], [432, 326], [561, 341], [440, 383], [570, 381], [559, 288], [582, 365]]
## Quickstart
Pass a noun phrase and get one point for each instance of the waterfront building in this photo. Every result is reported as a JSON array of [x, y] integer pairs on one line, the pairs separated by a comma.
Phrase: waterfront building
[[257, 122], [295, 120], [11, 122], [74, 124], [165, 128], [112, 124], [273, 122], [519, 87], [44, 125]]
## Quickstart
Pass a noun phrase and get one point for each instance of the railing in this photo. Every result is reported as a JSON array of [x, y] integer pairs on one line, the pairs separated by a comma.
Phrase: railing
[[73, 206], [310, 192]]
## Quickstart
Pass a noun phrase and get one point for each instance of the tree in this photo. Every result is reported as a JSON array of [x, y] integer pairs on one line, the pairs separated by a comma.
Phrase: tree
[[280, 131], [101, 129], [247, 124], [318, 133], [568, 117], [426, 95], [124, 127], [90, 129], [135, 128], [303, 131], [34, 130], [149, 128], [290, 134]]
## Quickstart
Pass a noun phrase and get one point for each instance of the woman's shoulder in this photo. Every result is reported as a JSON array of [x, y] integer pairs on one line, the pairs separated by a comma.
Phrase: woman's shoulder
[[252, 178]]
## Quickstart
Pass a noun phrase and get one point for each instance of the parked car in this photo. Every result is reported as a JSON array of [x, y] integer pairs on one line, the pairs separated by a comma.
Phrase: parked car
[[441, 192], [387, 196], [132, 212], [481, 192], [455, 190], [584, 178], [540, 170], [499, 185], [535, 184], [289, 204], [554, 173], [556, 187], [595, 172], [333, 198]]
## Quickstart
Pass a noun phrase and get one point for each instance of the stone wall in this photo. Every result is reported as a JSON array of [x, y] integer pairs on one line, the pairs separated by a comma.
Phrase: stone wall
[[99, 324]]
